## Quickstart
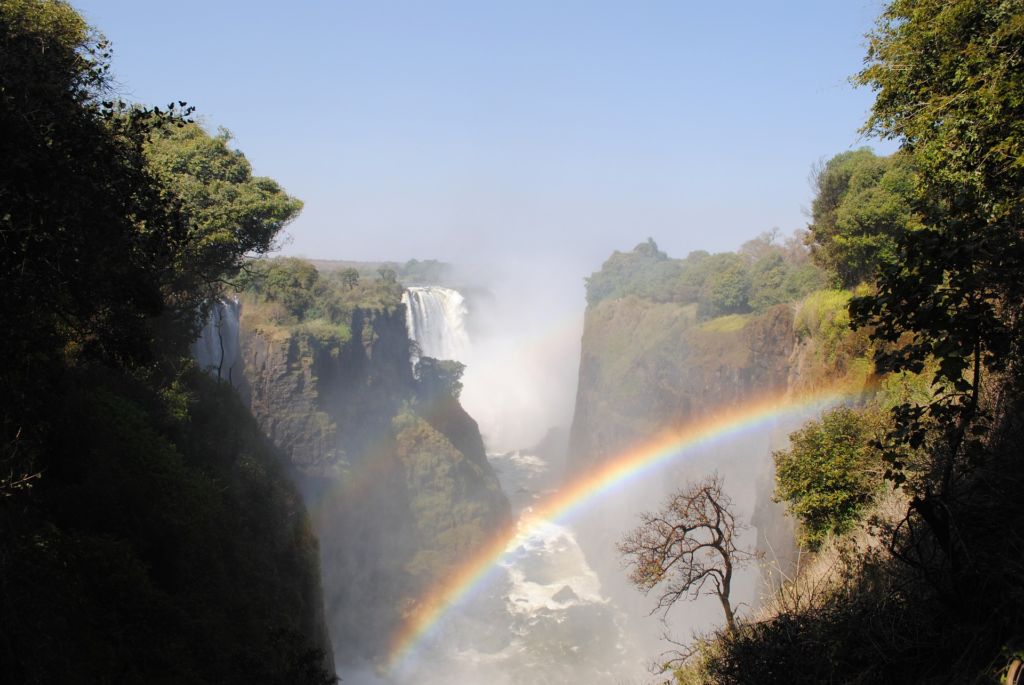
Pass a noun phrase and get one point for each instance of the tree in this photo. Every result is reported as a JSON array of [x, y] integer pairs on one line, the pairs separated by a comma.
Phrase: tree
[[727, 286], [349, 278], [84, 233], [863, 203], [229, 214], [145, 526], [645, 271], [387, 275], [949, 82], [440, 377], [288, 280], [688, 548]]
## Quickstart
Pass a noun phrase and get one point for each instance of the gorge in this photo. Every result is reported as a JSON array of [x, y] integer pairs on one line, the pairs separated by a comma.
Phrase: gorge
[[794, 463], [402, 491]]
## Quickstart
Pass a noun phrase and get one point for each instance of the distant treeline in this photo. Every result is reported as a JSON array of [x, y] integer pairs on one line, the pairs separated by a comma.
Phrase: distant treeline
[[862, 205], [762, 274]]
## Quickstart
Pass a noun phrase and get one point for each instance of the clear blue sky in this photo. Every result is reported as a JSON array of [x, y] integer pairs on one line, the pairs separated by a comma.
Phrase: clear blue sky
[[465, 130]]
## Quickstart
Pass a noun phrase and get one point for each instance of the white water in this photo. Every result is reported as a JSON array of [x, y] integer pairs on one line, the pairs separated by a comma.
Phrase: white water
[[216, 350], [436, 320], [540, 617], [558, 607]]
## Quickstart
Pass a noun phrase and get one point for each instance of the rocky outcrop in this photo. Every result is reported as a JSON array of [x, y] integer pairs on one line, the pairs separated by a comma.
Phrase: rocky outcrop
[[396, 481], [321, 402]]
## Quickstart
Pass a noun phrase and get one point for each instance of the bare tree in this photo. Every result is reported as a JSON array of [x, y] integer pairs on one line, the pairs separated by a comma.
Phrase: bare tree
[[688, 548]]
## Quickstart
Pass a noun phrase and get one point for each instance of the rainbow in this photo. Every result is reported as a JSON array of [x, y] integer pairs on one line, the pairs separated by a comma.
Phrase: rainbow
[[629, 466]]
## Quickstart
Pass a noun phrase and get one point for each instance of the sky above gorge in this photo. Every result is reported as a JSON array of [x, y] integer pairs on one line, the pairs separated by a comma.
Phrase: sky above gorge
[[468, 131]]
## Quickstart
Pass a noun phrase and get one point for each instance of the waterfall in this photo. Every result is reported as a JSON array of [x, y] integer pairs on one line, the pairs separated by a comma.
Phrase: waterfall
[[436, 320], [216, 350]]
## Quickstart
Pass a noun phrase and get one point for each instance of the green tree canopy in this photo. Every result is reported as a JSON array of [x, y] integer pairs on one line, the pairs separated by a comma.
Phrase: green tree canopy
[[85, 236], [146, 533], [949, 82], [863, 204], [349, 277], [726, 288], [229, 214], [440, 377], [645, 271], [763, 273]]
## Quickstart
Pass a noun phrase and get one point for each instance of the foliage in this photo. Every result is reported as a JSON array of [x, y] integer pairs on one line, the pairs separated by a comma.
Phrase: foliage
[[949, 87], [762, 274], [688, 548], [644, 272], [78, 200], [289, 293], [440, 376], [452, 493], [731, 323], [726, 285], [164, 545], [824, 316], [938, 595], [349, 277], [229, 213], [829, 474], [863, 204], [871, 617], [146, 532]]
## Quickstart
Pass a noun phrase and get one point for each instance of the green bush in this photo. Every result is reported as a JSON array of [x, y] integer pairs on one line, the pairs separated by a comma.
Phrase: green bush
[[829, 474]]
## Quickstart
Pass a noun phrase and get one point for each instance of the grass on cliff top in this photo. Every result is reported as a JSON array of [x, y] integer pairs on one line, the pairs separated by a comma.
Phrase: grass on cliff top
[[726, 324], [824, 315]]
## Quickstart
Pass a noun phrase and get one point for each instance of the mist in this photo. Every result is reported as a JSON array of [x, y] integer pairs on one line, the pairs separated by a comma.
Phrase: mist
[[558, 606], [525, 321]]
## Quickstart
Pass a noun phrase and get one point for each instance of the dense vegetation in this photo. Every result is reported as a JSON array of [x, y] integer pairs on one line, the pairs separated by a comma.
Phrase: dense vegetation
[[289, 294], [912, 501], [762, 274], [147, 533], [826, 476], [862, 206]]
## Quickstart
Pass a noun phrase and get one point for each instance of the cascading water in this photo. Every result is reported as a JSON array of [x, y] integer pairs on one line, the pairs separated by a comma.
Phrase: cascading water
[[436, 320], [216, 350]]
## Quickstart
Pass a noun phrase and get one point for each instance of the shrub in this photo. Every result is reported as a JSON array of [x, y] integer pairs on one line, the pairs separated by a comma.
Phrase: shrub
[[828, 474]]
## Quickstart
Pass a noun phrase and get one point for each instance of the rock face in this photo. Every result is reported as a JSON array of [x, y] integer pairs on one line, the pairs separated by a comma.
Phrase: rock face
[[649, 366], [646, 366], [396, 481], [320, 402]]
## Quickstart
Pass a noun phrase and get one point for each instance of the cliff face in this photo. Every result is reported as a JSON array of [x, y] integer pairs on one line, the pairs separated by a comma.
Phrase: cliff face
[[396, 480], [321, 402], [646, 366]]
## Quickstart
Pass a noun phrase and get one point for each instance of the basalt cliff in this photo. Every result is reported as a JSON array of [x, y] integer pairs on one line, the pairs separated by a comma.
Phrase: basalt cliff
[[392, 469]]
